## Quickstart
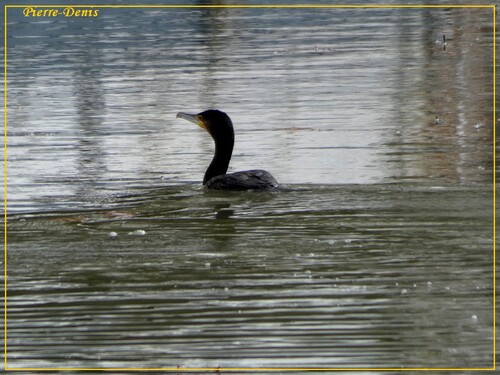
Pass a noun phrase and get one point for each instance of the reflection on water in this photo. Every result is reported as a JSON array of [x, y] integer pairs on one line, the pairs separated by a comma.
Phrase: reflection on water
[[317, 96], [380, 134]]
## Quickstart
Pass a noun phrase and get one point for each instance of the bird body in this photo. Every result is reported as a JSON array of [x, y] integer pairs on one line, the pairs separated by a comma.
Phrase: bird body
[[255, 179], [220, 127]]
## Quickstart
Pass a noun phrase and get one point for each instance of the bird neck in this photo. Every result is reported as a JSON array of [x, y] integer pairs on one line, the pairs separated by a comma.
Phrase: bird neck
[[220, 162]]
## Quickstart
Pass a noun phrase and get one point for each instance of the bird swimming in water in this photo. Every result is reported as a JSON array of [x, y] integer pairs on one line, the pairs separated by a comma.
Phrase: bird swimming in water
[[220, 127]]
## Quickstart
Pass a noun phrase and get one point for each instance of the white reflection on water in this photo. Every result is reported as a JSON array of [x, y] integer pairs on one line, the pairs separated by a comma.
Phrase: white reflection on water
[[317, 96]]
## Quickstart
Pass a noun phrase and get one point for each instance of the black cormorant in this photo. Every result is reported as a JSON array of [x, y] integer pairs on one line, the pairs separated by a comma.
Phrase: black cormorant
[[220, 127]]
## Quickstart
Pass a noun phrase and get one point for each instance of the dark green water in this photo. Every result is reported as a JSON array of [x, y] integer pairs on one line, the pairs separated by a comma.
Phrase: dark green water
[[378, 251], [367, 275]]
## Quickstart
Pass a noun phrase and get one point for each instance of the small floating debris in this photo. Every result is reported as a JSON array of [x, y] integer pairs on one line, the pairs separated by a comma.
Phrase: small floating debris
[[138, 232], [119, 215], [281, 51], [442, 43], [112, 234], [324, 49], [71, 219]]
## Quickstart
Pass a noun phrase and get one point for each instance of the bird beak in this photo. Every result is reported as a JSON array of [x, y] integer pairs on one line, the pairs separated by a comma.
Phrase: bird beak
[[196, 119]]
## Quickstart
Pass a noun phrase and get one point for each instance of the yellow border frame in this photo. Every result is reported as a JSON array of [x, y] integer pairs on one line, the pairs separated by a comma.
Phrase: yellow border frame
[[230, 369]]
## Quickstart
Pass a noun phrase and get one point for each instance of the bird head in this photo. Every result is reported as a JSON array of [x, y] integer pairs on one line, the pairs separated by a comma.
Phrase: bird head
[[212, 120], [215, 122]]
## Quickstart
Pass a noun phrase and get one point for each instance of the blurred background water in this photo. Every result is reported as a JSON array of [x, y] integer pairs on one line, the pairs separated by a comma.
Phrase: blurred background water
[[378, 252]]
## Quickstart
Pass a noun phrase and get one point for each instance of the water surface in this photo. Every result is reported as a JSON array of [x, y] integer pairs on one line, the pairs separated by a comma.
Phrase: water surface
[[377, 252]]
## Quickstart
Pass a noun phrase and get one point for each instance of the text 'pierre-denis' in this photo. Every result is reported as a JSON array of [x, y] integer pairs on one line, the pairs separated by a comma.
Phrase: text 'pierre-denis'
[[56, 12]]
